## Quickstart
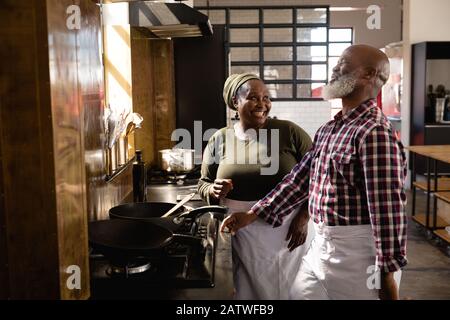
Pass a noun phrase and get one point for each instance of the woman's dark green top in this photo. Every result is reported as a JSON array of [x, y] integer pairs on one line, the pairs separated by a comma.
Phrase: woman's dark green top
[[249, 162]]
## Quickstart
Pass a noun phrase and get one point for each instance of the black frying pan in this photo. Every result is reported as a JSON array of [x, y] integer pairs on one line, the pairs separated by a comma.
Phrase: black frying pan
[[128, 239], [143, 210], [152, 212], [138, 231]]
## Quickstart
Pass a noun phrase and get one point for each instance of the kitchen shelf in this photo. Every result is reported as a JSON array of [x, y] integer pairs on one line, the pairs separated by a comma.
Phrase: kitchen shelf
[[443, 185], [422, 219], [443, 195], [443, 234], [433, 125]]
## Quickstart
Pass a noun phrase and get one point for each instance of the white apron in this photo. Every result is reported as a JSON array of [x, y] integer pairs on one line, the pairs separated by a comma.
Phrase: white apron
[[340, 264], [263, 267]]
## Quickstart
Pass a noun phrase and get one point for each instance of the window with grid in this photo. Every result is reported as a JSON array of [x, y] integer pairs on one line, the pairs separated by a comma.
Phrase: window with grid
[[286, 47], [339, 40]]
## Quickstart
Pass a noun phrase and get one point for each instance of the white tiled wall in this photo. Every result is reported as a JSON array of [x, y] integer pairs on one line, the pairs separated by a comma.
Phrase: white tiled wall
[[309, 115]]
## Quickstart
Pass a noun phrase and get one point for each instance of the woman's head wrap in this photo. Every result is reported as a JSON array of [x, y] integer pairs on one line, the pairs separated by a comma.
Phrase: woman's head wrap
[[232, 85]]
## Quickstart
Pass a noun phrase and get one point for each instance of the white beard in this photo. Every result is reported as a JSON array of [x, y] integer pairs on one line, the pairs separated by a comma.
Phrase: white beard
[[340, 88]]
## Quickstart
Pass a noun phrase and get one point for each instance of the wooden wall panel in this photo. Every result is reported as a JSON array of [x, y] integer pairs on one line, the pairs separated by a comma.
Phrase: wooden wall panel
[[27, 153], [4, 87], [89, 196], [52, 147], [4, 283], [163, 75], [153, 94], [64, 51], [143, 95]]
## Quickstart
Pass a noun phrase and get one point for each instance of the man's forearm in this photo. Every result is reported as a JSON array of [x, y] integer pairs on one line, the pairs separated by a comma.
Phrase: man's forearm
[[287, 195]]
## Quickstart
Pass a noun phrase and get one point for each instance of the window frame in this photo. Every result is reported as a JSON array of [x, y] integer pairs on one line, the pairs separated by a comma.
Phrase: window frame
[[334, 42], [261, 63]]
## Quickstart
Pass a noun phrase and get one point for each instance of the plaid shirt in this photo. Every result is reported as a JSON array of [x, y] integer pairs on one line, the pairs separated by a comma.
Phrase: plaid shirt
[[353, 175]]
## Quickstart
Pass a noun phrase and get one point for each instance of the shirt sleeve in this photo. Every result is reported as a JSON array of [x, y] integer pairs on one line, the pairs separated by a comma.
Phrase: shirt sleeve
[[384, 165], [208, 172], [301, 141], [290, 193]]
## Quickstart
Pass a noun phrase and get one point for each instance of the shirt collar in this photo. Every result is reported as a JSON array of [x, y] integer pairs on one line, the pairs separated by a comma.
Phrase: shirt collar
[[356, 112], [243, 135]]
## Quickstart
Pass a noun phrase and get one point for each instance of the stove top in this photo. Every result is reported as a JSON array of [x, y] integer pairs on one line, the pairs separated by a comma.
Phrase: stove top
[[155, 176], [178, 265]]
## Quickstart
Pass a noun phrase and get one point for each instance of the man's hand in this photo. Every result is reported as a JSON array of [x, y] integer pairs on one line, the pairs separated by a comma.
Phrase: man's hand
[[221, 188], [298, 229], [237, 220], [389, 290]]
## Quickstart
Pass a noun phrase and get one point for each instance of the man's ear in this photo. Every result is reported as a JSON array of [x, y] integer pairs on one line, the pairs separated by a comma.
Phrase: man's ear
[[369, 73]]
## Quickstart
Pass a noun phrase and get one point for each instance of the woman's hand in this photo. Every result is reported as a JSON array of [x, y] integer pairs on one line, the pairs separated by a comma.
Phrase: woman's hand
[[221, 188], [298, 229], [237, 220]]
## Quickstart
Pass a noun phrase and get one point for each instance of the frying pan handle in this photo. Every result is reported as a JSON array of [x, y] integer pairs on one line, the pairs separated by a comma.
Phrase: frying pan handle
[[218, 211], [187, 238]]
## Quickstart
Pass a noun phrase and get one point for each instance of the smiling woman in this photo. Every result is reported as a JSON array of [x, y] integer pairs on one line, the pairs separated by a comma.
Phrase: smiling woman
[[237, 171], [253, 104]]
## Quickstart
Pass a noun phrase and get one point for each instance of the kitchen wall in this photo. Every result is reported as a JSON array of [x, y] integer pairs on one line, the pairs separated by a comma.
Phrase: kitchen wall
[[308, 115]]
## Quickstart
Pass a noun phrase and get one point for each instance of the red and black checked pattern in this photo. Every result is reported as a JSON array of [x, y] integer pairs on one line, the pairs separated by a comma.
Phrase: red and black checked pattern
[[353, 175]]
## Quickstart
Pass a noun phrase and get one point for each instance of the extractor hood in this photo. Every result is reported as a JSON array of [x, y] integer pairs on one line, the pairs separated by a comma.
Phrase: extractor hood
[[163, 20]]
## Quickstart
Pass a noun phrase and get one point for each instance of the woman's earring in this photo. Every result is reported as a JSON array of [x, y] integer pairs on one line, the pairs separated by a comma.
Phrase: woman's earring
[[236, 116]]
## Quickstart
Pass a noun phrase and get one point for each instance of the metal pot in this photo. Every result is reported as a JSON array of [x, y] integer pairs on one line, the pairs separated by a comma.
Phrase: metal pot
[[176, 160]]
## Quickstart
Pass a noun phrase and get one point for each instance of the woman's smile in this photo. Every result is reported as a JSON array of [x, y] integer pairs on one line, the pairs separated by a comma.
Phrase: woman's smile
[[259, 113]]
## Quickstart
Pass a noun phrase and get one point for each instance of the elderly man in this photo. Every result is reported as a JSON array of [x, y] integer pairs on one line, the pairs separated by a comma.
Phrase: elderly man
[[354, 178]]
